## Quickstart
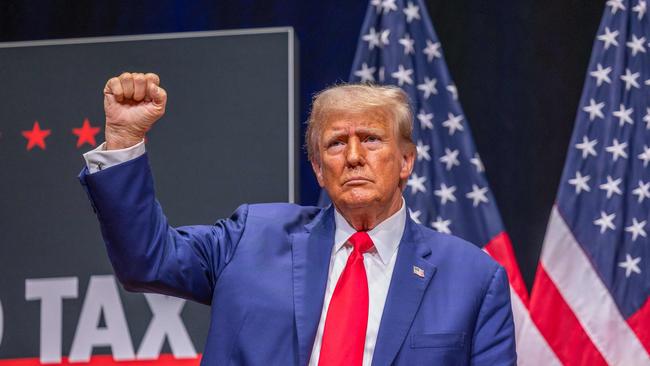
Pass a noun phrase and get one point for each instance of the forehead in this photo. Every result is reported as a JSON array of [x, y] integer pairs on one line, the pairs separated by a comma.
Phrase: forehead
[[344, 121]]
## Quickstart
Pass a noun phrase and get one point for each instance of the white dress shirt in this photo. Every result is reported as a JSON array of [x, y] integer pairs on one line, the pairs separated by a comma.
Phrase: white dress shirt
[[100, 158], [379, 261]]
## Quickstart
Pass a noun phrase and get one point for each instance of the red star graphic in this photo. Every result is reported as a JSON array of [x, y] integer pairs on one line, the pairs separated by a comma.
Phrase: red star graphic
[[36, 137], [86, 134]]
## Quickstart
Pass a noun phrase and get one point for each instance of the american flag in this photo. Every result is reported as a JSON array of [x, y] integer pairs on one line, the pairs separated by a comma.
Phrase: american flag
[[590, 298], [448, 190]]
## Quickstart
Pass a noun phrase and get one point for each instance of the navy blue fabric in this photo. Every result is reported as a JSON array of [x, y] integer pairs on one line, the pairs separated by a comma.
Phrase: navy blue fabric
[[264, 272]]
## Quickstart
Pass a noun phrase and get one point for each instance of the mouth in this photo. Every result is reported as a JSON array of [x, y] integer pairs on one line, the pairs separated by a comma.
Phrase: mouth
[[356, 181]]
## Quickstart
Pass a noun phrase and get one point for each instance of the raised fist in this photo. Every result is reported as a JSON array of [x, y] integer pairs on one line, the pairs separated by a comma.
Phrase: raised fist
[[133, 102]]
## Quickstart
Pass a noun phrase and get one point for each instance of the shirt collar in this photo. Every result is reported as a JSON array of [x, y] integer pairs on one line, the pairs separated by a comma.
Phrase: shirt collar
[[386, 236]]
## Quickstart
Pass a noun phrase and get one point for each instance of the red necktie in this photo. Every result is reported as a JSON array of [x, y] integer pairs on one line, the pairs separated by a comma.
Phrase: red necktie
[[344, 336]]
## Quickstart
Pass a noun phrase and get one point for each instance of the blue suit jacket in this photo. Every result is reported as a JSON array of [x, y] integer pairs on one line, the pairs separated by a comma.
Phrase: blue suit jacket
[[264, 272]]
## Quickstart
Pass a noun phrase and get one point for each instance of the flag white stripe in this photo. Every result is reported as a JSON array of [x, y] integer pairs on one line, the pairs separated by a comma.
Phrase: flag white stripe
[[570, 269], [532, 349]]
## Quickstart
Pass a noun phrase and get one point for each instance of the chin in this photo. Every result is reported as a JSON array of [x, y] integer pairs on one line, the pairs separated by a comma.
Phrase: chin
[[358, 199]]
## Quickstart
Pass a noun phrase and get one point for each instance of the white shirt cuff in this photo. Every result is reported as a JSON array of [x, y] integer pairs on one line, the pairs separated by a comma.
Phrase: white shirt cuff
[[100, 158]]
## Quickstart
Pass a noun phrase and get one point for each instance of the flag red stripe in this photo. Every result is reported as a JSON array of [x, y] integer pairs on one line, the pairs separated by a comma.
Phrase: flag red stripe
[[559, 325], [640, 324], [500, 248], [107, 360]]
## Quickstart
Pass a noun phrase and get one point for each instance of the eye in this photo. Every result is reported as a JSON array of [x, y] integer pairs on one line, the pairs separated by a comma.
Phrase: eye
[[334, 143], [372, 138]]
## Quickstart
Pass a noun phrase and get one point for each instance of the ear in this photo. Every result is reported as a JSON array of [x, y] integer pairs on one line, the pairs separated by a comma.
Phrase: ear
[[408, 159], [318, 171]]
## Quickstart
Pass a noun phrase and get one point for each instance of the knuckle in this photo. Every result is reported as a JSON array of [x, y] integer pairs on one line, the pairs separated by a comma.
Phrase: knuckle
[[153, 77]]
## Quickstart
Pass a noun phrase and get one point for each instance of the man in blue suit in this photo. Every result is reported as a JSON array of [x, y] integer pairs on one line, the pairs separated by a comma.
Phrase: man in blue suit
[[357, 283]]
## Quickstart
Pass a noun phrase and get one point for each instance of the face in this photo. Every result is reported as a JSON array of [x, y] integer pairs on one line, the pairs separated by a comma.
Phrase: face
[[362, 162]]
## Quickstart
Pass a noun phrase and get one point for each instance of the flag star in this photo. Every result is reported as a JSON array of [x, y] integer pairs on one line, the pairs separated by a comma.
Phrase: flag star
[[611, 186], [605, 221], [587, 147], [428, 87], [617, 149], [623, 115], [640, 8], [636, 229], [403, 75], [477, 195], [645, 156], [646, 118], [453, 123], [417, 183], [415, 216], [616, 4], [445, 193], [412, 12], [388, 5], [372, 38], [630, 79], [383, 38], [636, 45], [366, 73], [425, 120], [408, 44], [432, 50], [377, 5], [452, 89], [643, 191], [647, 82], [476, 160], [442, 226], [422, 151], [580, 182], [594, 109], [609, 38], [450, 158], [601, 74], [631, 265]]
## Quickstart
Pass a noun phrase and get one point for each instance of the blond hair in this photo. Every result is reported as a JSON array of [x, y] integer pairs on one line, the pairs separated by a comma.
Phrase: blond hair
[[389, 102]]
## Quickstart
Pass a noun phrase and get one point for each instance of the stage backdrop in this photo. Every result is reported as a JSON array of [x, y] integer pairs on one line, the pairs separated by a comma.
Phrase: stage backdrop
[[228, 137]]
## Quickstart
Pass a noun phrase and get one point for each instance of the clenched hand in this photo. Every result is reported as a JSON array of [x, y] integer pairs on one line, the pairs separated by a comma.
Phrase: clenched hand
[[133, 102]]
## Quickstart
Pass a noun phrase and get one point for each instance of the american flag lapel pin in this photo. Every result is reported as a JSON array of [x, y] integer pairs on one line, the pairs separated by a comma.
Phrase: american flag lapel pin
[[418, 271]]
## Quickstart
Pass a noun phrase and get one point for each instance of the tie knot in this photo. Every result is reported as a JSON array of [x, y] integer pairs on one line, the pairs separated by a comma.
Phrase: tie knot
[[361, 241]]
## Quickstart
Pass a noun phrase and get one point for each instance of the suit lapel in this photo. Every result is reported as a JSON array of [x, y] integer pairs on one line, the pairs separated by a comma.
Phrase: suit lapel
[[404, 295], [311, 258]]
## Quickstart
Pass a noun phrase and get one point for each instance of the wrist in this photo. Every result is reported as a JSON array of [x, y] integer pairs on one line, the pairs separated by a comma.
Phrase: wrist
[[117, 138]]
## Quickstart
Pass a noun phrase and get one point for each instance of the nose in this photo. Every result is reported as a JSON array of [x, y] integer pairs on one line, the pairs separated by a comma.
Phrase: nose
[[355, 152]]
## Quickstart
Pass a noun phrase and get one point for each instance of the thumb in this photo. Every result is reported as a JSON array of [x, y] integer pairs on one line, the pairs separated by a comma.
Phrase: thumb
[[109, 99], [114, 88]]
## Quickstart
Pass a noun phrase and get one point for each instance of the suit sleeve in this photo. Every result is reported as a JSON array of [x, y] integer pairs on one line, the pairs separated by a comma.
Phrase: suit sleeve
[[147, 254], [494, 337]]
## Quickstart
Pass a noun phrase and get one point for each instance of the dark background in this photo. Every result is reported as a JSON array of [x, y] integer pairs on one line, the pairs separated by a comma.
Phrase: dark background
[[43, 208], [519, 66]]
